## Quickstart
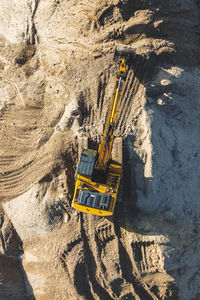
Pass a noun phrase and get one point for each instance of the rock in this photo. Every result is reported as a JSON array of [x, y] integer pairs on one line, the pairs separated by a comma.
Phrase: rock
[[160, 102]]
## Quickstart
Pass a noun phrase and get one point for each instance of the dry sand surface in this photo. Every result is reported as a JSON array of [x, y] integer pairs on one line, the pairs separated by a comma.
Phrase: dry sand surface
[[56, 79]]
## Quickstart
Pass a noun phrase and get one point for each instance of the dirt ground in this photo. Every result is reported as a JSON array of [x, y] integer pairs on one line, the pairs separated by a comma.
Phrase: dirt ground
[[57, 74]]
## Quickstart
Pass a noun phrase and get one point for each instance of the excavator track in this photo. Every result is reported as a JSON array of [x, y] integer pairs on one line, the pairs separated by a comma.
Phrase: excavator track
[[117, 150]]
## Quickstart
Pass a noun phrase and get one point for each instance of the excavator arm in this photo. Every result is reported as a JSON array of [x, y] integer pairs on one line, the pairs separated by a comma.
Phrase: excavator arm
[[107, 139]]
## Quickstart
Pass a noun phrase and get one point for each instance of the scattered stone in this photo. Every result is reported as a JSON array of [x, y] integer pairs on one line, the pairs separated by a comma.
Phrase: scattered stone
[[160, 102]]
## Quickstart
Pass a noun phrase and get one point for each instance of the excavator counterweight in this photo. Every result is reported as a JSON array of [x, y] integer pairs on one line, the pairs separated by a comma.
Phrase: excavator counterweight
[[99, 172]]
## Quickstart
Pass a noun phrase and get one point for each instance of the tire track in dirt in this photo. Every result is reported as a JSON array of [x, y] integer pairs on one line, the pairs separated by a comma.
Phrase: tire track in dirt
[[94, 108], [6, 160], [92, 268], [129, 272], [109, 259], [70, 258], [19, 128], [109, 265], [21, 116], [147, 256], [126, 99], [101, 239], [19, 180], [134, 83], [137, 258], [23, 133], [80, 265], [101, 95]]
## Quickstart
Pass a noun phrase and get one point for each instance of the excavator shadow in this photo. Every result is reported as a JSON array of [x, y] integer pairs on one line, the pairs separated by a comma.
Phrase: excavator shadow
[[126, 205]]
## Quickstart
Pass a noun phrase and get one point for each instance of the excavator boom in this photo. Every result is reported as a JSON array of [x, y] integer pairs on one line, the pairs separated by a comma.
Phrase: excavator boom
[[105, 147]]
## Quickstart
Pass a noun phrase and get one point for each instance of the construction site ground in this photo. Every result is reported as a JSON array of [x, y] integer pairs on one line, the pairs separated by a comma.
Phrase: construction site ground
[[56, 80]]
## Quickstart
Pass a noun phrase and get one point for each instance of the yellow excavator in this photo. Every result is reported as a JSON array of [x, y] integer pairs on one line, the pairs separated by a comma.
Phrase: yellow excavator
[[99, 172]]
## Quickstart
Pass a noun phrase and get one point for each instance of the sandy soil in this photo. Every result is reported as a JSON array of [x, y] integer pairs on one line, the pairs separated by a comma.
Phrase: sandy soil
[[57, 73]]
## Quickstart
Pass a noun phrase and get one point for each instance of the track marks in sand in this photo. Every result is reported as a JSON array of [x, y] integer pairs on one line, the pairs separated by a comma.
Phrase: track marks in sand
[[104, 235], [21, 116], [110, 264], [80, 264], [18, 180], [130, 272], [102, 82], [94, 103], [131, 100], [87, 233], [6, 160], [148, 257], [72, 261], [24, 156], [102, 262], [19, 129]]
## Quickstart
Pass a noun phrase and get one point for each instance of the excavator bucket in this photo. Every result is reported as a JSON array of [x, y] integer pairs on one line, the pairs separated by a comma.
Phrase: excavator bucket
[[126, 52]]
